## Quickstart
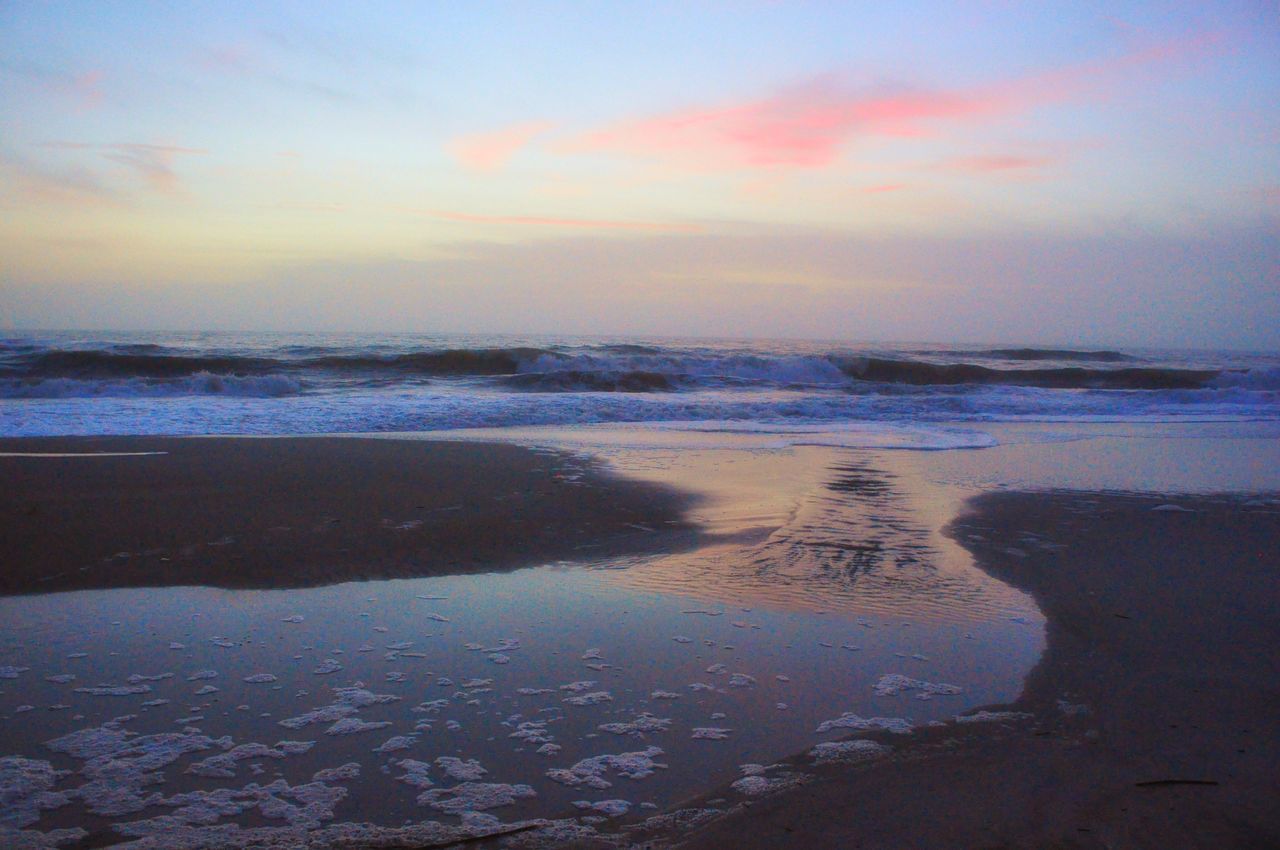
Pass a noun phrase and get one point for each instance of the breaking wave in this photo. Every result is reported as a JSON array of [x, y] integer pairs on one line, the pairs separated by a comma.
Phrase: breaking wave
[[1035, 354], [313, 383], [612, 368], [1068, 377]]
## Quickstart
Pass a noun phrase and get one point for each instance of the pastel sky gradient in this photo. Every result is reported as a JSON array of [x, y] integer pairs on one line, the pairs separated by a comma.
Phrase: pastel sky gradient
[[1079, 173]]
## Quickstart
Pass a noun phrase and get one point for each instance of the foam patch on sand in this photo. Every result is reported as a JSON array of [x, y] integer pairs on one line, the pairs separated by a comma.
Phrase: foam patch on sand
[[120, 764], [224, 765], [115, 690], [341, 773], [533, 732], [710, 733], [463, 771], [347, 701], [993, 716], [643, 724], [24, 839], [415, 773], [354, 726], [396, 743], [895, 683], [303, 806], [474, 797], [848, 720], [591, 771], [848, 752], [26, 789], [608, 808]]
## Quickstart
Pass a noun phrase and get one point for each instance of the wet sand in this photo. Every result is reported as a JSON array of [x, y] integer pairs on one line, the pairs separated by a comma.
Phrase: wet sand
[[296, 512], [1153, 719]]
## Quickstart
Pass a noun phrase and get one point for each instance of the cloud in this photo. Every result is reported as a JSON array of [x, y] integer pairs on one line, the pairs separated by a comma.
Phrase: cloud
[[572, 223], [809, 125], [152, 163], [492, 151]]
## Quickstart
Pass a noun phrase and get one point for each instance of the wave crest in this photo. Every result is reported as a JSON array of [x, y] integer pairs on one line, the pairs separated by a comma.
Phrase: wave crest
[[884, 370]]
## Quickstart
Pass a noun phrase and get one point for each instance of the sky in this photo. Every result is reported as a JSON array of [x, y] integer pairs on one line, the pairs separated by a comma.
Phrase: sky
[[1068, 173]]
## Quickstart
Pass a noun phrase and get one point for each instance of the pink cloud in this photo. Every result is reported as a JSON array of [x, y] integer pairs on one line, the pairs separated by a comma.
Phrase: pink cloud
[[492, 151], [577, 223], [805, 127], [886, 187], [808, 126]]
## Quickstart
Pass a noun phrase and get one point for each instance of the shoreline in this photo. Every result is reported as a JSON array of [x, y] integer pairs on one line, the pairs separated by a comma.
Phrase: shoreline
[[1152, 720], [82, 513]]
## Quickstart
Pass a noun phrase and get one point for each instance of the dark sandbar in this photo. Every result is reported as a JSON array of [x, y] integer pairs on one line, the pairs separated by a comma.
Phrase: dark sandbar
[[1163, 625], [295, 512]]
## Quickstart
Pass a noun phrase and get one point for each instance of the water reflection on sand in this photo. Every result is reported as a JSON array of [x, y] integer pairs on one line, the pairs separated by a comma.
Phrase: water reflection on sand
[[828, 573]]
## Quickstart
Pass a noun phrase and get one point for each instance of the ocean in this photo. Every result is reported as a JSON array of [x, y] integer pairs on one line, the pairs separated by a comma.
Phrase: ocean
[[805, 392]]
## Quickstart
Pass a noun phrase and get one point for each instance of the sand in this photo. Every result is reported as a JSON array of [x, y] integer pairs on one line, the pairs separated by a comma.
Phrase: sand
[[1153, 719], [294, 512]]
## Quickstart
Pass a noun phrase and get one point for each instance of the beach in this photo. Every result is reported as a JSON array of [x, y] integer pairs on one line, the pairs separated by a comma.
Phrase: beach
[[612, 637], [154, 512], [1153, 719]]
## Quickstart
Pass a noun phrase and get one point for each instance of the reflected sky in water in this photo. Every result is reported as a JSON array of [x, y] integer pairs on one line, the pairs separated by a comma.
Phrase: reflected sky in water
[[827, 571]]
